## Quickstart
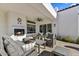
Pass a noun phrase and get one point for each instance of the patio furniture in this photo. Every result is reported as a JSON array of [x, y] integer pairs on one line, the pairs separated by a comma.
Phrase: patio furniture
[[49, 40], [40, 42], [18, 37], [29, 45], [12, 48], [25, 40], [2, 50], [61, 51]]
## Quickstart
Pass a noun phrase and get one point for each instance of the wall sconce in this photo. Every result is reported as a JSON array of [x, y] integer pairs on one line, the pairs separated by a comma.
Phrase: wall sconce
[[54, 25]]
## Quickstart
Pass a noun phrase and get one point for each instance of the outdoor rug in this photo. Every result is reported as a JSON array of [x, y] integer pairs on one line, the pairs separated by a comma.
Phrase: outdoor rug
[[45, 53]]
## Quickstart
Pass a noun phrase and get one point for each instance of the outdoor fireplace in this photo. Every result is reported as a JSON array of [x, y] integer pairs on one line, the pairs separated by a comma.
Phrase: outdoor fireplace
[[19, 31]]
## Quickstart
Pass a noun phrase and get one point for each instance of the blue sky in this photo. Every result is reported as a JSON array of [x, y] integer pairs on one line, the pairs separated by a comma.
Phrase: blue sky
[[60, 6]]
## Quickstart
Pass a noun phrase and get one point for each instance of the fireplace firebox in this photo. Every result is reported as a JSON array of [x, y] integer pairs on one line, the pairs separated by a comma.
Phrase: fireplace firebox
[[19, 31]]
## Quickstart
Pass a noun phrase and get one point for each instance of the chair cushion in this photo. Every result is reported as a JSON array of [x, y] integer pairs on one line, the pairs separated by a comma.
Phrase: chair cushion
[[21, 43], [2, 50], [27, 47], [12, 47], [11, 50]]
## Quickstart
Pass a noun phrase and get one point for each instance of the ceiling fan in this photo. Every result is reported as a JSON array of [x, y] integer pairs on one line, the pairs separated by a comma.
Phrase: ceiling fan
[[39, 19]]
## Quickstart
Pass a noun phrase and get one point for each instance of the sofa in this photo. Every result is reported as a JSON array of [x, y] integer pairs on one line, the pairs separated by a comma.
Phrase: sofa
[[2, 51], [12, 48]]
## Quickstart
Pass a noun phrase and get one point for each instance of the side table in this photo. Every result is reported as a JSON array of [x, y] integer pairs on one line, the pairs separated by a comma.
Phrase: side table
[[40, 42]]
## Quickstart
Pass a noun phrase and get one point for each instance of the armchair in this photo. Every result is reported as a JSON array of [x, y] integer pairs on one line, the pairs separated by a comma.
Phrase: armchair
[[49, 40]]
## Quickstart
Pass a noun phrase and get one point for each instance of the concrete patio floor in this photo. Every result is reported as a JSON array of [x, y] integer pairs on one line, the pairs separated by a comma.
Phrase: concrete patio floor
[[72, 52]]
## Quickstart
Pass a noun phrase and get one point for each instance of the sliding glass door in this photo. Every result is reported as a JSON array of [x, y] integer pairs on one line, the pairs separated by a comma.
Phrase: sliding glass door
[[49, 28], [45, 28]]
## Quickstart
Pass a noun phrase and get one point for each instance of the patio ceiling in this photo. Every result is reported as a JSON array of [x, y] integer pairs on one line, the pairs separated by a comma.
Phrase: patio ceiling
[[28, 9]]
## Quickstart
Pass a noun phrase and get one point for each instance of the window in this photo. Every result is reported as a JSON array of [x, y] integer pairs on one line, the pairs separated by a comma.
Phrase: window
[[31, 27], [46, 28], [49, 27], [43, 28]]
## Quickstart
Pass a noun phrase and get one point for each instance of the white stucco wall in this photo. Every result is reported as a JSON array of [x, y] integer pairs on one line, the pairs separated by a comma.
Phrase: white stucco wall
[[68, 22], [13, 23], [78, 21], [3, 23]]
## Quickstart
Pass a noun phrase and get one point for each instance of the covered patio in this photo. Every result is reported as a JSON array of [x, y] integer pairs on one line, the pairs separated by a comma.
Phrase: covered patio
[[29, 15], [23, 22]]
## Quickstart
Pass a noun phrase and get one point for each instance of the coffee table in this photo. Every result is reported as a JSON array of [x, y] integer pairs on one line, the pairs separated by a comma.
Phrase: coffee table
[[40, 42]]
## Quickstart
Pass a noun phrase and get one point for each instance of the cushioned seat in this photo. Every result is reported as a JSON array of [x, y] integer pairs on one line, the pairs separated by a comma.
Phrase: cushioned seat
[[20, 42], [13, 48], [2, 51]]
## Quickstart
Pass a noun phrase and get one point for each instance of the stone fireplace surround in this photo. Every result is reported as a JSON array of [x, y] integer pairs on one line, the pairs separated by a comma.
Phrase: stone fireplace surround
[[18, 32], [19, 37]]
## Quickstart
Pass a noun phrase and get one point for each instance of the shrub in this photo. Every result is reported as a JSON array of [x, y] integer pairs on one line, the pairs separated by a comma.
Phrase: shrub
[[77, 41], [68, 39]]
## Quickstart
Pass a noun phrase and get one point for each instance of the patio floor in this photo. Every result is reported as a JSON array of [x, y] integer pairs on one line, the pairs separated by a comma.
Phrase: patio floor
[[73, 52]]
